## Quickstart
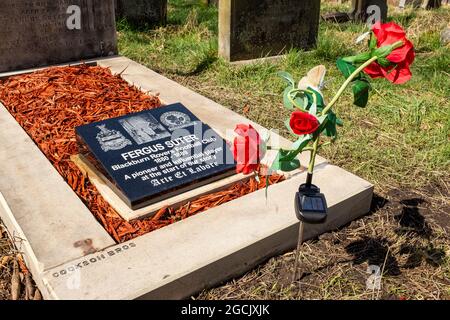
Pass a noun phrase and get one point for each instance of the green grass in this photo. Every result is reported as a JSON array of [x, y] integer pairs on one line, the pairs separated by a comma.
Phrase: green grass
[[400, 139]]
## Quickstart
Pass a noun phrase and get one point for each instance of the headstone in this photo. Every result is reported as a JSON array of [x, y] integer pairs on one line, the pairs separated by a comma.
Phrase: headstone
[[152, 155], [413, 3], [37, 33], [431, 4], [211, 2], [142, 12], [250, 29], [376, 10]]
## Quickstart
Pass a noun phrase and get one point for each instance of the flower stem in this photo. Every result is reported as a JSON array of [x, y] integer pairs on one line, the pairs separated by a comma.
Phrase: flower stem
[[350, 79], [347, 83], [314, 150]]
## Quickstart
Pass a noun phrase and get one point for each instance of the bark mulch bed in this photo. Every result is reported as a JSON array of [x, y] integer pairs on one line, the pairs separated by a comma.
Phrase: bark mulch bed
[[50, 103]]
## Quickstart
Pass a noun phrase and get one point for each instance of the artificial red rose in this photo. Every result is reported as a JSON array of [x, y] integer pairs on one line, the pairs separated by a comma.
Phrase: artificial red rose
[[248, 149], [398, 71], [303, 123]]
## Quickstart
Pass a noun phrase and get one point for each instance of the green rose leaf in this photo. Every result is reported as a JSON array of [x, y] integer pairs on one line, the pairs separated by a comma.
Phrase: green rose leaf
[[345, 67], [361, 89], [287, 124], [361, 86], [285, 162], [301, 143], [318, 99], [330, 126], [313, 109], [287, 77], [373, 41], [286, 101]]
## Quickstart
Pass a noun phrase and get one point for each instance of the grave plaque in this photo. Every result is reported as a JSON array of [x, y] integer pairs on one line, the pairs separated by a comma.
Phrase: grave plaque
[[152, 155], [37, 33], [251, 29]]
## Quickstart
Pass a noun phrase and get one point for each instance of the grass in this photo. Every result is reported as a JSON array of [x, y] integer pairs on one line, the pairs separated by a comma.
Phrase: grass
[[400, 139]]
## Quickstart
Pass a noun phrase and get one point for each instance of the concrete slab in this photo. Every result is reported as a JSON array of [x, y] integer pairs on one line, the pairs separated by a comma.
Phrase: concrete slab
[[184, 258], [52, 217]]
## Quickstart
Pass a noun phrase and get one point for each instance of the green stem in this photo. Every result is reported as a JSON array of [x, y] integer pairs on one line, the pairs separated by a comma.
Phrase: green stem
[[295, 90], [312, 161], [350, 79], [347, 83]]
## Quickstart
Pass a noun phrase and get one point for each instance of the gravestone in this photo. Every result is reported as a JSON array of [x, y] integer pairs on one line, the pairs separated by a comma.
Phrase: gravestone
[[142, 12], [362, 10], [37, 33], [211, 2], [250, 29], [155, 154], [445, 36], [413, 3], [431, 4]]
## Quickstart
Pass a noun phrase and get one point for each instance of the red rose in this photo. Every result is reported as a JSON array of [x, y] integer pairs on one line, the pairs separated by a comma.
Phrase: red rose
[[401, 58], [247, 149], [303, 123]]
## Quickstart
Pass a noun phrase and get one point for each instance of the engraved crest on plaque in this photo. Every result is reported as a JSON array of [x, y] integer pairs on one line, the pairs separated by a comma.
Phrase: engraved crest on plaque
[[176, 120], [111, 139]]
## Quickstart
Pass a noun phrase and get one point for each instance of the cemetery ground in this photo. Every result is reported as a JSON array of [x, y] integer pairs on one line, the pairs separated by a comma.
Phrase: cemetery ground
[[400, 143]]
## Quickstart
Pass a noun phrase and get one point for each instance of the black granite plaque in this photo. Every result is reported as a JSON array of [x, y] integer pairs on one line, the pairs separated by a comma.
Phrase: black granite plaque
[[37, 33], [152, 155]]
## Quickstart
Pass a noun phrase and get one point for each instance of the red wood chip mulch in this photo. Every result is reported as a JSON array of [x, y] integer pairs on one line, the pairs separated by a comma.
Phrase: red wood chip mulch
[[50, 103]]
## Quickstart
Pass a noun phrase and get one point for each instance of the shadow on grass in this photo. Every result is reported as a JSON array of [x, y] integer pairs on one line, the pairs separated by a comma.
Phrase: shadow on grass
[[416, 255], [374, 251], [411, 221]]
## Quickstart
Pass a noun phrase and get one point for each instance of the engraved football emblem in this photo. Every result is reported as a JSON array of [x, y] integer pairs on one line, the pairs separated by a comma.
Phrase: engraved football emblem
[[176, 120], [111, 139]]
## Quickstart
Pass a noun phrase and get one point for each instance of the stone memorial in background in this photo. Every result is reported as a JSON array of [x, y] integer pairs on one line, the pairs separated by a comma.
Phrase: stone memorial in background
[[431, 4], [38, 33], [414, 3], [142, 12], [362, 10], [211, 2], [250, 29], [153, 155]]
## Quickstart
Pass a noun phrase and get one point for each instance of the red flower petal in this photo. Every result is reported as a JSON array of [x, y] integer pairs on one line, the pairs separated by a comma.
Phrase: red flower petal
[[374, 70], [400, 54], [392, 27], [398, 75], [379, 32], [303, 123], [241, 129], [402, 58], [247, 149]]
